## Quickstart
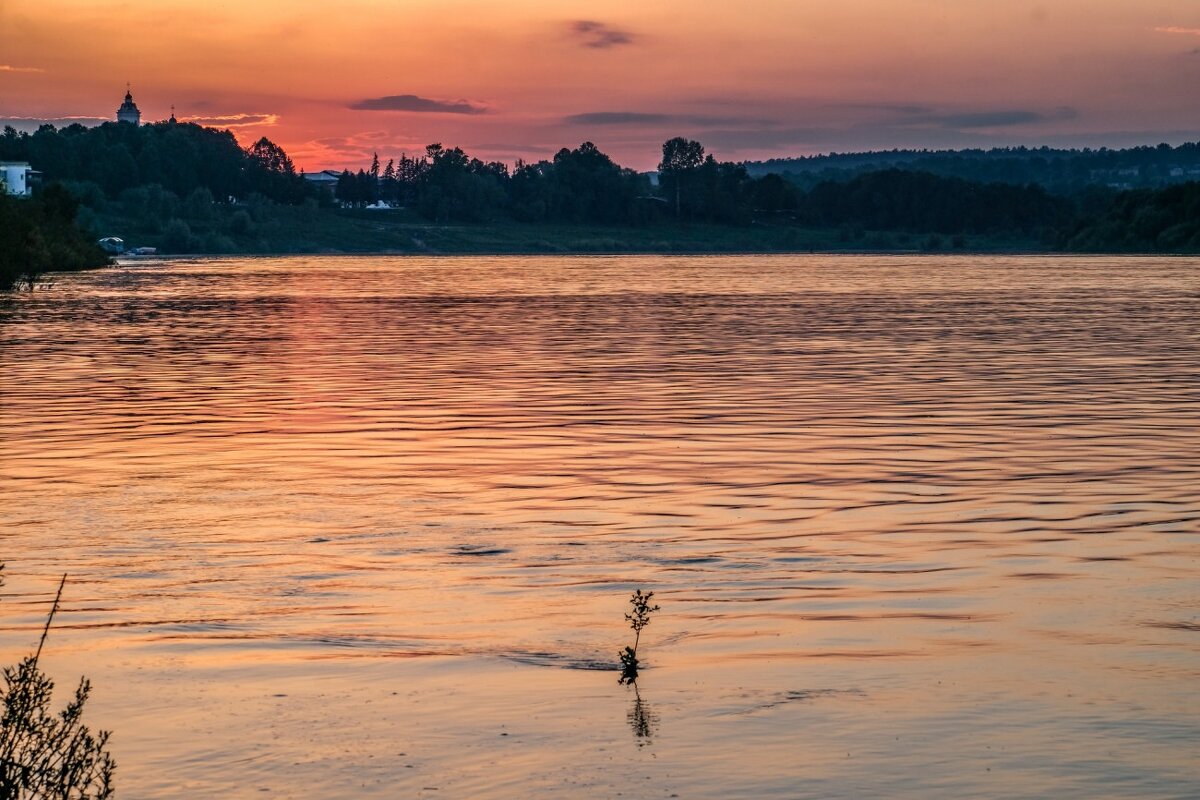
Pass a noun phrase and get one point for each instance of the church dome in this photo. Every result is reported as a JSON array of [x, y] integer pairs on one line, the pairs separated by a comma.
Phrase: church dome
[[128, 112]]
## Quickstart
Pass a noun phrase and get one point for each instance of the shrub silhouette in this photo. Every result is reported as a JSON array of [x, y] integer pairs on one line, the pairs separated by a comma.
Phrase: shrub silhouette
[[45, 755], [638, 619]]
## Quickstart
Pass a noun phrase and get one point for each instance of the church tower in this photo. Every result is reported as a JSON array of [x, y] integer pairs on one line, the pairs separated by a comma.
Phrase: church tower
[[128, 112]]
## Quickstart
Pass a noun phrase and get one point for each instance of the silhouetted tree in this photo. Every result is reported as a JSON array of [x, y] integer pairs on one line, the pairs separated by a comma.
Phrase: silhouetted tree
[[680, 160], [270, 172]]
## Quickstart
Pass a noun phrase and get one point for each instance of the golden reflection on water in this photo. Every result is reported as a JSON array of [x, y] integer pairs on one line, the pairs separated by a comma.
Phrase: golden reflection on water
[[364, 527]]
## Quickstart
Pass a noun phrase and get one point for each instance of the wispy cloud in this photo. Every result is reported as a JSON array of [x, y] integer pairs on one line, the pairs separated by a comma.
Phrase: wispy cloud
[[31, 124], [1175, 29], [11, 68], [598, 35], [993, 118], [234, 120], [889, 108], [413, 103], [644, 118], [616, 118], [1000, 119]]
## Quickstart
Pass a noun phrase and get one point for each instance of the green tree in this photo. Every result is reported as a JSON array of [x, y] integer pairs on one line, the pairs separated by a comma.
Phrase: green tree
[[41, 234], [270, 172], [681, 158], [177, 237]]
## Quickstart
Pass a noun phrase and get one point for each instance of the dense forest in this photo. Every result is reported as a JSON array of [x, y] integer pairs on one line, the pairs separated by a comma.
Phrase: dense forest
[[1146, 220], [40, 234], [179, 157], [1057, 170], [585, 186], [189, 189]]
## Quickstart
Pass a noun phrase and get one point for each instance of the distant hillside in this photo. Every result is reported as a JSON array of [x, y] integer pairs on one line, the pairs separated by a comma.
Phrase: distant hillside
[[1058, 171]]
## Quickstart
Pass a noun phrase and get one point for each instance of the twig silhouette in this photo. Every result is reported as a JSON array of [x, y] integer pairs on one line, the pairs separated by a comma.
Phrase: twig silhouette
[[638, 618], [50, 618], [45, 755]]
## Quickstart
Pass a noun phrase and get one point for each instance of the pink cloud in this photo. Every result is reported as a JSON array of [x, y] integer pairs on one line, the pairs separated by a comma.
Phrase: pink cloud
[[1175, 29], [234, 120]]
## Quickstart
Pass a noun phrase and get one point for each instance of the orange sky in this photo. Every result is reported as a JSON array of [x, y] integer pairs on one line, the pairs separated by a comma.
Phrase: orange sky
[[522, 78]]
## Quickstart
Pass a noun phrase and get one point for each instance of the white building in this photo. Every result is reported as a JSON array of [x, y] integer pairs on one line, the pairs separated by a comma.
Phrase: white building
[[16, 178], [128, 112], [325, 179]]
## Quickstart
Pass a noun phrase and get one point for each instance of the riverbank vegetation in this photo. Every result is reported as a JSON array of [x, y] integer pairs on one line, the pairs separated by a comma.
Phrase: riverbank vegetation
[[44, 754], [40, 234], [182, 188], [1144, 220]]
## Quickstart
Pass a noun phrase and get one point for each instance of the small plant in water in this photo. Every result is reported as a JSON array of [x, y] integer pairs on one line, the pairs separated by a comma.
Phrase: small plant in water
[[638, 619], [44, 755]]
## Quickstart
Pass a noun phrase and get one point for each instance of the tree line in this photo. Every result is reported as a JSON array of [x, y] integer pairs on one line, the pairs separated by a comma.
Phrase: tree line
[[580, 185], [1060, 171], [179, 157], [194, 189], [583, 185]]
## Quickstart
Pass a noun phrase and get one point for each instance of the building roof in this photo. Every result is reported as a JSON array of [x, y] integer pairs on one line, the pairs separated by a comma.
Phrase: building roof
[[128, 112]]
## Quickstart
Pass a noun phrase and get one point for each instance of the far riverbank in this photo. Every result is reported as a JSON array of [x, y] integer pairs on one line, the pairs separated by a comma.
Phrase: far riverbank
[[288, 230]]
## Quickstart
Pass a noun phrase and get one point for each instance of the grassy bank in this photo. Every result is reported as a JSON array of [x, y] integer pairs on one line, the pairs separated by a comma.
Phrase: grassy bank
[[309, 229]]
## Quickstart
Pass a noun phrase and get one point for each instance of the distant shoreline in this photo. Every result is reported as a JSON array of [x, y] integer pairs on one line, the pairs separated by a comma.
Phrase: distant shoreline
[[133, 260]]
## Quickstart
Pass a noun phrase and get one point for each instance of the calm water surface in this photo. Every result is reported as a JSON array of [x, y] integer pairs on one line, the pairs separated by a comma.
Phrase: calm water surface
[[363, 527]]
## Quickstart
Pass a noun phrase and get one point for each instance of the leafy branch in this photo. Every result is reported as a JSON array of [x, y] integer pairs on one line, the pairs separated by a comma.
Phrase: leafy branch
[[638, 618], [43, 755]]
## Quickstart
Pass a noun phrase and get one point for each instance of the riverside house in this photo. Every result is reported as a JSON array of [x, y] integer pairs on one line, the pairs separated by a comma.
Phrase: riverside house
[[16, 178]]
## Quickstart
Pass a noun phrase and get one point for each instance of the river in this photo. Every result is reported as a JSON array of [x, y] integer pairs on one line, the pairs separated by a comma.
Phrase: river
[[367, 526]]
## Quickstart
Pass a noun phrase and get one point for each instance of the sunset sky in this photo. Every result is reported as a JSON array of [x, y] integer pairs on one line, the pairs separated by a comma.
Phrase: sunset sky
[[521, 79]]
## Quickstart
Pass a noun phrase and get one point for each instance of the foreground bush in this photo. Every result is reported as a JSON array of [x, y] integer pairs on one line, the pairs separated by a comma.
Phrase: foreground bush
[[45, 755]]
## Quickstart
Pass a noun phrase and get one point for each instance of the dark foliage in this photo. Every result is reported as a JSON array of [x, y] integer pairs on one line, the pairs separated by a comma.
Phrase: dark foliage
[[1058, 170], [184, 188], [39, 234], [43, 755], [638, 619], [179, 157], [446, 185], [1147, 220], [899, 200], [268, 171]]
